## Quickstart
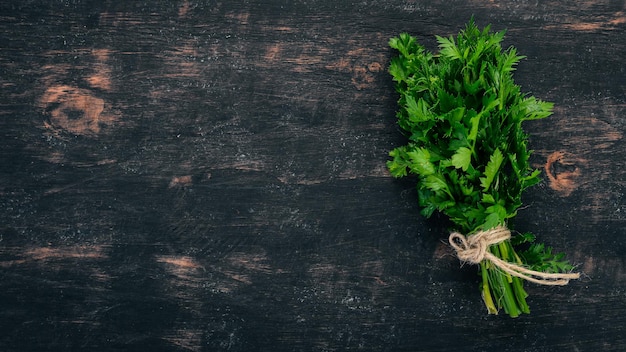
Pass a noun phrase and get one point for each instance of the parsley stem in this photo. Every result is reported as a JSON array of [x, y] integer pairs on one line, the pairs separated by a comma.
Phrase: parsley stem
[[486, 292]]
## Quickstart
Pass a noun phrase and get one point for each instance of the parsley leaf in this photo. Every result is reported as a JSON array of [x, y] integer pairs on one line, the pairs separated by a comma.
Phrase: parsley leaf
[[491, 170], [462, 158]]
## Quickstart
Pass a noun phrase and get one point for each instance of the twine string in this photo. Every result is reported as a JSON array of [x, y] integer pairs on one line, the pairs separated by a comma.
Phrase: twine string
[[474, 249]]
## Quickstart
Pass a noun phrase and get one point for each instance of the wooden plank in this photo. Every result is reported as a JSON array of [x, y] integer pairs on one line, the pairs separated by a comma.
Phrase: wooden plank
[[202, 176]]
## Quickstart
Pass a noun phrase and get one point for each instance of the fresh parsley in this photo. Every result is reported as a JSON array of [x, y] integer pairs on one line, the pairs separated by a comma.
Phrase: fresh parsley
[[463, 115]]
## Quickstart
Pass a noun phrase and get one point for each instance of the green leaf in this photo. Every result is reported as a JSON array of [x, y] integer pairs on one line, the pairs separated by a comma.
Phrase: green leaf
[[491, 169], [397, 69], [420, 162], [462, 158], [472, 88], [395, 43], [509, 60], [531, 179], [417, 110], [492, 220], [449, 48], [496, 216], [398, 166], [540, 257], [475, 123], [522, 238], [435, 183], [536, 109], [404, 43], [488, 198]]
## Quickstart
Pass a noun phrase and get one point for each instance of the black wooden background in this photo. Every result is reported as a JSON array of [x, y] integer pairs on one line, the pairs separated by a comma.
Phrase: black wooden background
[[210, 175]]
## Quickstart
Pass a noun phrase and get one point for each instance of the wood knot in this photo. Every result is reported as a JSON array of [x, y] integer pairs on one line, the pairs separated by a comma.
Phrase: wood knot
[[563, 172]]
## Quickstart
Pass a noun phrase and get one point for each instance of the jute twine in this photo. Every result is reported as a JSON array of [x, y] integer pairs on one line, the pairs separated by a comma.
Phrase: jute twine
[[474, 249]]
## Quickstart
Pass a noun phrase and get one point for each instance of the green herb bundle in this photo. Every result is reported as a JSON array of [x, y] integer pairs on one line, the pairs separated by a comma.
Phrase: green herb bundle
[[463, 114]]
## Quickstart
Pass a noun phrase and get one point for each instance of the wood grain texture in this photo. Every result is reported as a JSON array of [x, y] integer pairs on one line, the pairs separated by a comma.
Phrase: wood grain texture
[[208, 176]]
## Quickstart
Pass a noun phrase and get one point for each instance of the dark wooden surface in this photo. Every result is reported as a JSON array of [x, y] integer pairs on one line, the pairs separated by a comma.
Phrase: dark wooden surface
[[208, 176]]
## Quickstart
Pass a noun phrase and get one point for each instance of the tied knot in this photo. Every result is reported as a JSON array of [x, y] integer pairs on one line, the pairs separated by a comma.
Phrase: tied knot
[[472, 249], [475, 248]]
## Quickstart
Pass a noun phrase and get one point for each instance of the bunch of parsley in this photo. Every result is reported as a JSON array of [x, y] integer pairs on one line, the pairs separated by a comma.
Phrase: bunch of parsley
[[463, 114]]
